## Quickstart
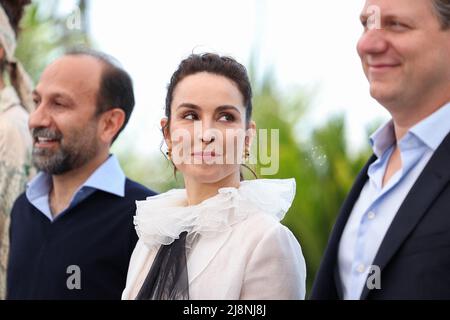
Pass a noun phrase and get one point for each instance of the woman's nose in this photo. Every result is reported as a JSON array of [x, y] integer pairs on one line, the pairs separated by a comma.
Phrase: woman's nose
[[209, 132], [208, 138]]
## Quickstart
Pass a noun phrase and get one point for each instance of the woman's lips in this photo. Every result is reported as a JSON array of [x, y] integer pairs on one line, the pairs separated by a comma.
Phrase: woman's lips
[[205, 155]]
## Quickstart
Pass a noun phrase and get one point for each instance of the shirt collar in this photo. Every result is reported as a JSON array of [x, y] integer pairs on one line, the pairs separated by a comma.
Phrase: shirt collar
[[431, 131], [108, 177], [39, 186], [383, 138]]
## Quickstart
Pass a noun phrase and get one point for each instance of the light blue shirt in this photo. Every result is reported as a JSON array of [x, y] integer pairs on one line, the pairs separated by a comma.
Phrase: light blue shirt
[[108, 177], [377, 205]]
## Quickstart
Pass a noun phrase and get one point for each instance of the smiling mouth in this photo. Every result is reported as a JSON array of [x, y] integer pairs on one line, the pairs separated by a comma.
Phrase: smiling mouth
[[42, 142], [382, 67]]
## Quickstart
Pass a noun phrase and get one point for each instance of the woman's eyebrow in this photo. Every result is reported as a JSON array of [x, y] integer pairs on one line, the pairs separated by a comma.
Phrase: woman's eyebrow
[[227, 107], [188, 105]]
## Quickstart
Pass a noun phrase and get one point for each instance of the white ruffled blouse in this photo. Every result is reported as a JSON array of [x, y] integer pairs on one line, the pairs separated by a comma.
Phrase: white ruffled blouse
[[237, 247]]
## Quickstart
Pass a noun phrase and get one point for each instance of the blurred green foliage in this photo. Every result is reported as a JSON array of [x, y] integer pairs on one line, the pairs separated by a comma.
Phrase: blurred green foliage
[[320, 162], [46, 34]]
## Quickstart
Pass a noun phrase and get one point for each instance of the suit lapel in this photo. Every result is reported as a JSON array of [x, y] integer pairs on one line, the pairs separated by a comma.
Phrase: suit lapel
[[204, 252], [434, 177], [345, 211]]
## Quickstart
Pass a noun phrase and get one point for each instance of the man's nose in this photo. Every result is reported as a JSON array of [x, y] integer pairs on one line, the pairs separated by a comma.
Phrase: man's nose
[[40, 117], [372, 42]]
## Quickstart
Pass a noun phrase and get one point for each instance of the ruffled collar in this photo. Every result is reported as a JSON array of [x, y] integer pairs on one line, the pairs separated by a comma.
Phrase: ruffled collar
[[160, 219]]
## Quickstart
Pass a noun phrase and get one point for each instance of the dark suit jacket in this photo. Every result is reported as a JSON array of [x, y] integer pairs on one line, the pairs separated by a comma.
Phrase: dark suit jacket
[[414, 256]]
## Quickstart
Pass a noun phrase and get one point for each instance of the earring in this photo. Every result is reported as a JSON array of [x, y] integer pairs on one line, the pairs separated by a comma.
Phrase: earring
[[246, 155], [169, 154]]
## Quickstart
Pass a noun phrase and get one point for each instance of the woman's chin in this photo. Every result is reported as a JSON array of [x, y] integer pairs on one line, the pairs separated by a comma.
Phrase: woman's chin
[[207, 174]]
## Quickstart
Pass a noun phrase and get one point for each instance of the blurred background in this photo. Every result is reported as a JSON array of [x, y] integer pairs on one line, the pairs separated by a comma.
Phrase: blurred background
[[305, 71]]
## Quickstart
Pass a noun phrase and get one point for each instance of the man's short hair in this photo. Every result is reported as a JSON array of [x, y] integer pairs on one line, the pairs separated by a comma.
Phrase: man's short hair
[[116, 85], [442, 9]]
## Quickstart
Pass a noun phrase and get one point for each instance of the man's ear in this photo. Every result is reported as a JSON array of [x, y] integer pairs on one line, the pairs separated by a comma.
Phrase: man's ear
[[110, 124]]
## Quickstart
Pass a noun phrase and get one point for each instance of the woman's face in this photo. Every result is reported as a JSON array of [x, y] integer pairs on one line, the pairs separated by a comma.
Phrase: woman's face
[[208, 134]]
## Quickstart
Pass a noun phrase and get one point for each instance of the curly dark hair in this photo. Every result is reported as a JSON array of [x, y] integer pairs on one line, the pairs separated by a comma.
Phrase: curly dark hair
[[215, 64], [219, 65]]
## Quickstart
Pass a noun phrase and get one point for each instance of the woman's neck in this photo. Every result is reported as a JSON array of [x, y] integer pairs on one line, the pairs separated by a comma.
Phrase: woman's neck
[[198, 192]]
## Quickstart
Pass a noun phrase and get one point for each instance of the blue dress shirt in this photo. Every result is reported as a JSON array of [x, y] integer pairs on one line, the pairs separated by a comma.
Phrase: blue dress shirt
[[377, 205], [108, 177]]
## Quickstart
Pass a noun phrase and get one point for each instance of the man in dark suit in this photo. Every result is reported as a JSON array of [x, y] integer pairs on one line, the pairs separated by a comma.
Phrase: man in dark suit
[[392, 236]]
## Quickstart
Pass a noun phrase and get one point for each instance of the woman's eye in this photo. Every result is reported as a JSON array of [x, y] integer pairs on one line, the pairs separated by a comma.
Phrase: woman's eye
[[190, 116], [226, 117]]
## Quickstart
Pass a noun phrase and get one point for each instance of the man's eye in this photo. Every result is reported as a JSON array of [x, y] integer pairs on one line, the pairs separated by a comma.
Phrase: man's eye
[[397, 25]]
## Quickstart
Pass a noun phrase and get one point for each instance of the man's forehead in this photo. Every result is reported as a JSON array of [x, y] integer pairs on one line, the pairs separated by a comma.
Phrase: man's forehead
[[77, 66], [395, 7], [78, 73]]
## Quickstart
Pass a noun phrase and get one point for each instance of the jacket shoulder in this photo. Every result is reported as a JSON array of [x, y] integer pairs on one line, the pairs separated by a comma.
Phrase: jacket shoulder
[[132, 188]]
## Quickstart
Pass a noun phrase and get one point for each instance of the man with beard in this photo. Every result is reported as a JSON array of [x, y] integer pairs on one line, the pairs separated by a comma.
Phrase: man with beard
[[72, 231]]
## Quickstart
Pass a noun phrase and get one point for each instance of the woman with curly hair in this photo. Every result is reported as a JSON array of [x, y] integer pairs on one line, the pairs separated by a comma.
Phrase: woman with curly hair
[[219, 238]]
